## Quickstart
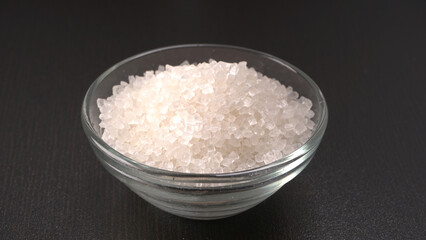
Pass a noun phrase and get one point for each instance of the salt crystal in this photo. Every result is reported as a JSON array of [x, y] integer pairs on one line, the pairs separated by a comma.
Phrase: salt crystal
[[188, 94], [220, 117], [205, 118], [248, 102], [259, 158], [189, 129], [234, 70], [204, 100], [299, 128], [186, 159], [310, 124], [310, 114], [270, 125], [161, 68], [254, 140], [252, 92], [207, 89], [252, 121], [234, 143], [226, 162], [247, 133], [269, 157]]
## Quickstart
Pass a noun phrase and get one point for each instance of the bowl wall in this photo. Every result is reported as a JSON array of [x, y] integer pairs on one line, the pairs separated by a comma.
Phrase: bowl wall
[[203, 196]]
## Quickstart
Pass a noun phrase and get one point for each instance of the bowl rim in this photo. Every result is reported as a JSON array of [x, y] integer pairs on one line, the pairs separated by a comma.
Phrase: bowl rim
[[317, 133]]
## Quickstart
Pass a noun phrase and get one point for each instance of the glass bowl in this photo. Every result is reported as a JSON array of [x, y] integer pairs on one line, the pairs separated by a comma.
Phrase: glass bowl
[[203, 196]]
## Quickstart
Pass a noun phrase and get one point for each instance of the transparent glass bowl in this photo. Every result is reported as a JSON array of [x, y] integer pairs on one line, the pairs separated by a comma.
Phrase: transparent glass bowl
[[203, 196]]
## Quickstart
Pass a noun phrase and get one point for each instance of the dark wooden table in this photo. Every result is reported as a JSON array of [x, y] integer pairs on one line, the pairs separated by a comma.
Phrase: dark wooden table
[[367, 180]]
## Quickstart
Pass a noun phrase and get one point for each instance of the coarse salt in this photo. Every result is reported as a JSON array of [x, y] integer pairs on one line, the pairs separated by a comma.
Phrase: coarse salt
[[210, 117]]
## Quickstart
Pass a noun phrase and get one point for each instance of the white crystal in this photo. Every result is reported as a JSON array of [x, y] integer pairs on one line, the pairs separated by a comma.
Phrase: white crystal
[[188, 94], [310, 124], [207, 118], [300, 128], [248, 101], [207, 89], [247, 133], [252, 121]]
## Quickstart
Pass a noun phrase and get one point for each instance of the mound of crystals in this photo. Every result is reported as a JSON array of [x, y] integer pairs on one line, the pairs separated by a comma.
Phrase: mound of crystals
[[211, 117]]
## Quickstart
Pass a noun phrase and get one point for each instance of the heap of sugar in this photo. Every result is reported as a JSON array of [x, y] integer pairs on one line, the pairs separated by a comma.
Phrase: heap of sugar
[[211, 117]]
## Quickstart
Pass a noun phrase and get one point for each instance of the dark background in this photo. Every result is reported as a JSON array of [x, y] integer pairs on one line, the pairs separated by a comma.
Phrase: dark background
[[367, 180]]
